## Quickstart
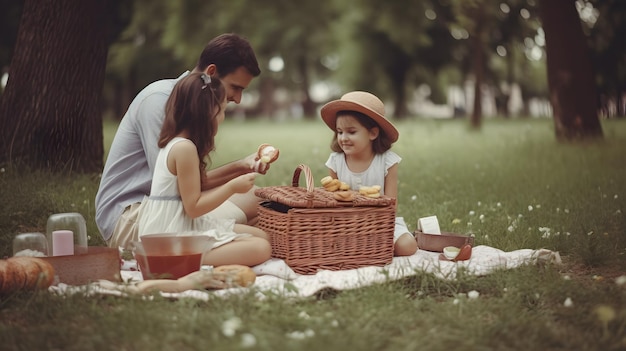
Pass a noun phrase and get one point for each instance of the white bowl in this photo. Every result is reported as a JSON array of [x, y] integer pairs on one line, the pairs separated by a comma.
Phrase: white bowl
[[451, 252]]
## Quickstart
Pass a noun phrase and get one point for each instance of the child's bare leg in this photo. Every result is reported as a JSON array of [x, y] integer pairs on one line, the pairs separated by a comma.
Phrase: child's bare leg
[[247, 229], [248, 251], [406, 245], [247, 202]]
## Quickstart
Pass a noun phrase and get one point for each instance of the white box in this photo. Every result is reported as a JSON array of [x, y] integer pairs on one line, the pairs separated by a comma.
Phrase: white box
[[429, 225]]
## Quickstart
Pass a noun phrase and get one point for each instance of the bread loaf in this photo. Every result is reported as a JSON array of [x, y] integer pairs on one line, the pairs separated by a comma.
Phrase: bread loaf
[[25, 273]]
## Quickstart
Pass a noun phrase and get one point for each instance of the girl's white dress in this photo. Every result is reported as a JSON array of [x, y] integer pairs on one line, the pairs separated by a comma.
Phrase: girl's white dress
[[374, 175], [163, 212]]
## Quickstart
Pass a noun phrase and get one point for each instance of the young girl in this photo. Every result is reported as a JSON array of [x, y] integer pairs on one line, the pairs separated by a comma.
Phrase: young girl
[[176, 203], [362, 155]]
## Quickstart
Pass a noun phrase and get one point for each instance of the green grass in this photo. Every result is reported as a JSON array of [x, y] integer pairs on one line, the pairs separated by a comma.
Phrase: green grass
[[511, 185]]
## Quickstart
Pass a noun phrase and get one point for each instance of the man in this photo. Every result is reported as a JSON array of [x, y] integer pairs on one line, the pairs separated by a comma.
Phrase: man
[[127, 173]]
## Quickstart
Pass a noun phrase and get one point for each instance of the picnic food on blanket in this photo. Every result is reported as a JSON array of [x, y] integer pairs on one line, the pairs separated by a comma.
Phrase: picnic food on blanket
[[235, 275], [344, 195], [331, 184], [25, 273], [465, 253], [451, 252], [370, 191], [267, 153], [455, 254]]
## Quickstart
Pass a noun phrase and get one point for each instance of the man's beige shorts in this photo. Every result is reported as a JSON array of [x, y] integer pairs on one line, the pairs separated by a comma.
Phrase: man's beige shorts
[[126, 230]]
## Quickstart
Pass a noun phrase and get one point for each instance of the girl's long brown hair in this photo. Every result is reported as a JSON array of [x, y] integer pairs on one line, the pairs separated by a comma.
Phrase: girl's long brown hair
[[193, 106]]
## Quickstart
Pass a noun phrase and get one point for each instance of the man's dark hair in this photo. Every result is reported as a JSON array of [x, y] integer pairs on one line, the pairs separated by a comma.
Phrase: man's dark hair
[[228, 52]]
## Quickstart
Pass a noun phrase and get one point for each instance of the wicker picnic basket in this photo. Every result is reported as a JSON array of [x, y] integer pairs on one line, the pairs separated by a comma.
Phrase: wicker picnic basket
[[311, 230]]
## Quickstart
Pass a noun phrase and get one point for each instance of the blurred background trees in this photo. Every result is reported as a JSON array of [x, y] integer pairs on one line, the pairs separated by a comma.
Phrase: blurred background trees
[[424, 58]]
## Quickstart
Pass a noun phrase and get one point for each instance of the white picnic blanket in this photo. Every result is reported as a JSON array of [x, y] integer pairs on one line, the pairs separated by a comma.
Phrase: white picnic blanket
[[275, 276]]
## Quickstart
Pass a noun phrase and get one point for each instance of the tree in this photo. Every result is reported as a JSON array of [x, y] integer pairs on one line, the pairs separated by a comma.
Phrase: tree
[[376, 55], [607, 30], [570, 76], [50, 112]]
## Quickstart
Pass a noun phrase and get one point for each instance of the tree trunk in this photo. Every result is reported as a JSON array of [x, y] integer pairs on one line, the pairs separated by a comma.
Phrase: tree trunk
[[50, 115], [478, 61], [398, 73], [570, 76]]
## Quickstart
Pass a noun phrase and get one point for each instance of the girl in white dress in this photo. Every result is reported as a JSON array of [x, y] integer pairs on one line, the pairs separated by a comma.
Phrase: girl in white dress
[[177, 203], [361, 152]]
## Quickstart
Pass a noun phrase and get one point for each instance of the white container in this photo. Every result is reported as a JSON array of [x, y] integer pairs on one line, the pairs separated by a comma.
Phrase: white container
[[73, 222]]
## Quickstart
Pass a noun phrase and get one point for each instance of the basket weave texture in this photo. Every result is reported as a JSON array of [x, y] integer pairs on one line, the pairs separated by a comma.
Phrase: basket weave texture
[[311, 230]]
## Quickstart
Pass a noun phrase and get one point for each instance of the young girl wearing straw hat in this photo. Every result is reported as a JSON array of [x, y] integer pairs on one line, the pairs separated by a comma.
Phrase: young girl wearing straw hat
[[362, 153]]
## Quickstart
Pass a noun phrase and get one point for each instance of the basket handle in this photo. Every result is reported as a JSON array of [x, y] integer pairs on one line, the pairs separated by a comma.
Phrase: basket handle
[[310, 183]]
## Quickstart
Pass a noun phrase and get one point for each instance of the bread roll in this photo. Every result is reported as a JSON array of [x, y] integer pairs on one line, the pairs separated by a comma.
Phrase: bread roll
[[25, 273], [266, 153], [345, 195], [235, 275]]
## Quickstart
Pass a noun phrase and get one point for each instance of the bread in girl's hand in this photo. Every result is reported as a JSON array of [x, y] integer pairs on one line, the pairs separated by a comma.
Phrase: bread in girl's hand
[[266, 153]]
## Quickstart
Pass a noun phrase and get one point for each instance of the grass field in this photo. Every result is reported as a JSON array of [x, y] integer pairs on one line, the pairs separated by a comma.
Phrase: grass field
[[510, 184]]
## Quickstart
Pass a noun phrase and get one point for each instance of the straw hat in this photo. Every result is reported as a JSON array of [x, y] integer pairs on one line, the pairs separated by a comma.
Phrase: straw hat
[[363, 102]]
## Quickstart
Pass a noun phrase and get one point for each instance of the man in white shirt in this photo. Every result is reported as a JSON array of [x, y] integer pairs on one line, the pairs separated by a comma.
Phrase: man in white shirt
[[127, 173]]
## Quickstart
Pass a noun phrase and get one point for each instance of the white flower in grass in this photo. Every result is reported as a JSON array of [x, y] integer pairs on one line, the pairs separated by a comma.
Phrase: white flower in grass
[[499, 204], [567, 277], [618, 212], [482, 218], [545, 232], [566, 210], [530, 208], [568, 302], [248, 340], [510, 229], [334, 323], [455, 301], [414, 197], [230, 326], [301, 335], [558, 210], [471, 213], [473, 294], [538, 206], [621, 280], [2, 171], [479, 203], [304, 315], [614, 196]]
